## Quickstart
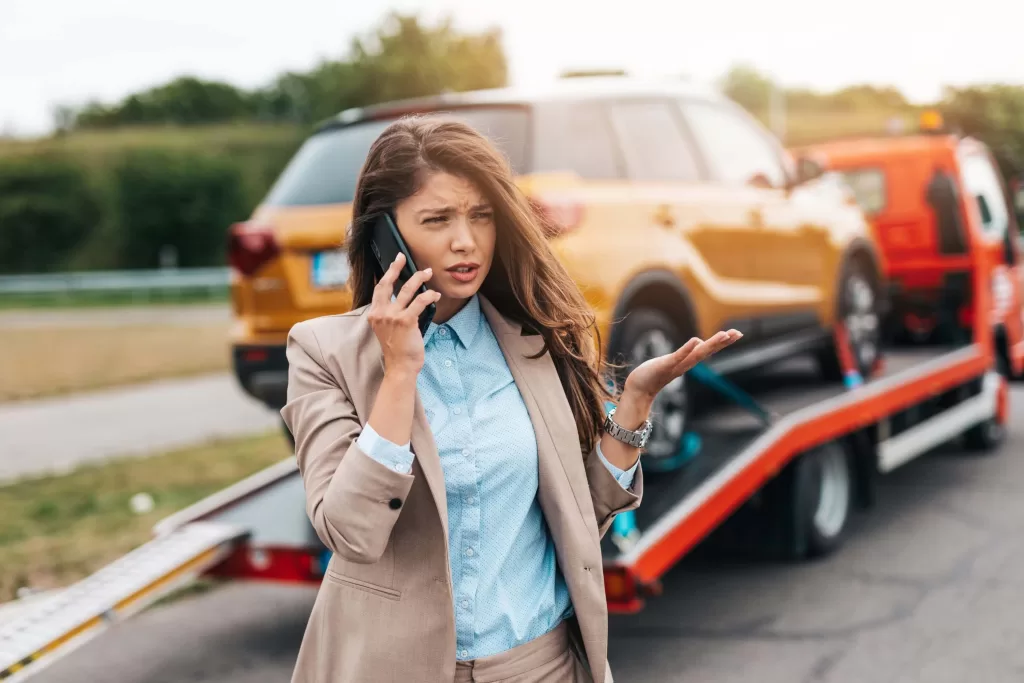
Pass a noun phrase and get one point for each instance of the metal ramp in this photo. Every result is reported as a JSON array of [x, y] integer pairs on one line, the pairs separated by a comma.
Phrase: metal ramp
[[66, 620]]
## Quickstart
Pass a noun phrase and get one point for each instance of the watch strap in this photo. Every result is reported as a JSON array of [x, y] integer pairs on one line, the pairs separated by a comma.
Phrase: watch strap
[[637, 439]]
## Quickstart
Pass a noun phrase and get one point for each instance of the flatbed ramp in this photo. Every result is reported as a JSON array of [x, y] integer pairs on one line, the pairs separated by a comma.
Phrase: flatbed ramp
[[69, 618]]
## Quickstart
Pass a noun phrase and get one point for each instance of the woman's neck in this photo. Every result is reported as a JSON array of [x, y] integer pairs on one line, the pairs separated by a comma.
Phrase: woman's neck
[[447, 308]]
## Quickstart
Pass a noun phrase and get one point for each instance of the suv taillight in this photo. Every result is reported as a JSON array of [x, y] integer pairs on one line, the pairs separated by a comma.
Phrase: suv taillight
[[557, 216], [250, 247]]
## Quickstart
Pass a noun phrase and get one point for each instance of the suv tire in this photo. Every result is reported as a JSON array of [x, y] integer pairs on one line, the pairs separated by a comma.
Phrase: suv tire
[[646, 333]]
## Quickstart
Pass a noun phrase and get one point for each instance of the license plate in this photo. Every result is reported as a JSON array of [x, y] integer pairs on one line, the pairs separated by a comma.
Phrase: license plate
[[330, 269]]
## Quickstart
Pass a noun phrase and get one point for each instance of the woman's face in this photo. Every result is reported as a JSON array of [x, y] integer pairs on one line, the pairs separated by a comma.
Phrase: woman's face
[[449, 226]]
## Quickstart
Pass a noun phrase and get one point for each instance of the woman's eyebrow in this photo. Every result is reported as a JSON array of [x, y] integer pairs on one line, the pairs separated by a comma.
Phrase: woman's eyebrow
[[435, 209]]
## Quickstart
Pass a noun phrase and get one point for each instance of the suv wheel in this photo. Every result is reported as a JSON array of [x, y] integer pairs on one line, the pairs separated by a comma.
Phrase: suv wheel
[[647, 333], [860, 311]]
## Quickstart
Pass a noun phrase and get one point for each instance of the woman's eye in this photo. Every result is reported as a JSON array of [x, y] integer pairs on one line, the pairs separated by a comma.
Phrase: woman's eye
[[484, 216], [435, 219]]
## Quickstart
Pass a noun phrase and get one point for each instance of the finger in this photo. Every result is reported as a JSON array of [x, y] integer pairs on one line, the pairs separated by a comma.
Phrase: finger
[[422, 301], [408, 290], [720, 340], [687, 348], [385, 286], [387, 281], [706, 348]]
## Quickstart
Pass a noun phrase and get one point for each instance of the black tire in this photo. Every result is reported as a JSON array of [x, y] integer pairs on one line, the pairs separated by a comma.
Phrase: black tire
[[985, 436], [859, 303], [645, 333], [815, 501]]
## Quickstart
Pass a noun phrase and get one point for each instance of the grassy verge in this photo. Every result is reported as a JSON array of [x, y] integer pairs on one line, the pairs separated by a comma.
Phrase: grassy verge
[[57, 530], [44, 361], [109, 299]]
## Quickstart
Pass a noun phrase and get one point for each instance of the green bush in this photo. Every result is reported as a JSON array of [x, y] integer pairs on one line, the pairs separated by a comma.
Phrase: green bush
[[183, 200], [47, 208]]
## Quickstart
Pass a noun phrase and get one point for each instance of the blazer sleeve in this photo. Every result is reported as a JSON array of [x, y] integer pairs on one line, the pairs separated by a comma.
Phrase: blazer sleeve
[[352, 499], [609, 496]]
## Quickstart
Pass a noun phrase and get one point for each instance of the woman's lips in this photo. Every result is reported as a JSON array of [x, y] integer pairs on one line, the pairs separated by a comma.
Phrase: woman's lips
[[464, 273]]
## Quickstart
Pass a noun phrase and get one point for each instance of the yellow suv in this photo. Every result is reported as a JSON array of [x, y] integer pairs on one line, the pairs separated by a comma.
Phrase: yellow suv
[[679, 214]]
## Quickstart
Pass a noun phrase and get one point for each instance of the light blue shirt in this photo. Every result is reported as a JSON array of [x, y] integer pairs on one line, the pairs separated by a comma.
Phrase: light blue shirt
[[507, 586]]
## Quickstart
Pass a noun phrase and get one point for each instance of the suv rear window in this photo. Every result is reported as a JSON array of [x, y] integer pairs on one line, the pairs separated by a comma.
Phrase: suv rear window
[[325, 168]]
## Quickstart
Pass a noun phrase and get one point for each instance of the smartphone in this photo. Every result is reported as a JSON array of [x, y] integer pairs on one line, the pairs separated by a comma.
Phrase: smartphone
[[386, 243]]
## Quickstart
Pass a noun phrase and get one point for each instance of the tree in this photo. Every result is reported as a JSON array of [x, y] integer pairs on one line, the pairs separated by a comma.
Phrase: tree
[[993, 113], [749, 88], [401, 59]]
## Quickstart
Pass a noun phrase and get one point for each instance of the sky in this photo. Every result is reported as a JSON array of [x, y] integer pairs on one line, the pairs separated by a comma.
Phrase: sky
[[72, 51]]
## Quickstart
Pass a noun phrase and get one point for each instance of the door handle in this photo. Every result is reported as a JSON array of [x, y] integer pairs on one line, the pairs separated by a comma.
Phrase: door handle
[[663, 216]]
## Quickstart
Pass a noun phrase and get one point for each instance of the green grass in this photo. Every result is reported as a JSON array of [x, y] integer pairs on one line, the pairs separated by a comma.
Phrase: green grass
[[110, 299], [57, 530]]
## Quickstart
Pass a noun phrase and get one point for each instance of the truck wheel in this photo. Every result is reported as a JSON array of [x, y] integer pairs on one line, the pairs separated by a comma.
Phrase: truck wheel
[[985, 436], [820, 501], [647, 333], [990, 434], [859, 308]]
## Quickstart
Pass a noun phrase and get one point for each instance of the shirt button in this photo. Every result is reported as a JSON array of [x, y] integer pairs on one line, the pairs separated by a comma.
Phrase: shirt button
[[443, 332], [469, 552], [465, 452], [471, 500], [465, 604], [458, 411], [464, 654], [447, 363]]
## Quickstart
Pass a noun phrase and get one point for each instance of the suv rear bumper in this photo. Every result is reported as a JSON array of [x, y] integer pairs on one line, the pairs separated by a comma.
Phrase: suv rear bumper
[[262, 370]]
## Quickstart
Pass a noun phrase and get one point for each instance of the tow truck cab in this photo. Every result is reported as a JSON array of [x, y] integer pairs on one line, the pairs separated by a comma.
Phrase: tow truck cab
[[933, 197]]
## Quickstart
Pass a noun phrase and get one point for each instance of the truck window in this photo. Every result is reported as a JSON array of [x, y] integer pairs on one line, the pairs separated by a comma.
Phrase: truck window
[[575, 136], [981, 181], [736, 149], [652, 141], [325, 168], [868, 186]]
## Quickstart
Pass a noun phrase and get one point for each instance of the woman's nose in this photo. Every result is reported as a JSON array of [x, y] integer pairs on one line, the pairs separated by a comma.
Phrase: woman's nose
[[462, 239]]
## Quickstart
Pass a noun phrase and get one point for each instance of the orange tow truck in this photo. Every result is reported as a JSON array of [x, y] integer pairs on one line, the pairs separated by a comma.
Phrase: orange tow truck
[[932, 198]]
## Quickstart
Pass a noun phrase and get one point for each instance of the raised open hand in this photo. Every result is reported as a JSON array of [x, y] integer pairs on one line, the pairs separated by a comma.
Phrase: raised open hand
[[651, 376]]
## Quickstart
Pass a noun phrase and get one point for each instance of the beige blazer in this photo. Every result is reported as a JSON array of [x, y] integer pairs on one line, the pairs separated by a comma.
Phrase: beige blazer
[[384, 611]]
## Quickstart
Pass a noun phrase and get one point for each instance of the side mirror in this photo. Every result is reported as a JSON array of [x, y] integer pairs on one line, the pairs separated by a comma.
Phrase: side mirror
[[806, 170]]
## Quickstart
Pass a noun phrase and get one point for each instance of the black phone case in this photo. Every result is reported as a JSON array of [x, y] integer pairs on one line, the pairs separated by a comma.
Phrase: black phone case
[[386, 243]]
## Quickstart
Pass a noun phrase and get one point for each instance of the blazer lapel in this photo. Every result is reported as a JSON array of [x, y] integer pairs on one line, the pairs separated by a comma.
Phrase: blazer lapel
[[558, 446]]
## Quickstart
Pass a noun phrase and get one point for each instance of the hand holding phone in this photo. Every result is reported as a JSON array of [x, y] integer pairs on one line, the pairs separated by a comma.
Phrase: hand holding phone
[[387, 244], [396, 322]]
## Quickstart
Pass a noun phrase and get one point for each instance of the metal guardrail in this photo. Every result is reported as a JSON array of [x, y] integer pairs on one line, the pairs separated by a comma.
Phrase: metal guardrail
[[135, 283]]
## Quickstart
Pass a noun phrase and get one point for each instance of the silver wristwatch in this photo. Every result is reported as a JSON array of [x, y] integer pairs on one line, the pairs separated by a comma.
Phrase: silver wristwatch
[[637, 439]]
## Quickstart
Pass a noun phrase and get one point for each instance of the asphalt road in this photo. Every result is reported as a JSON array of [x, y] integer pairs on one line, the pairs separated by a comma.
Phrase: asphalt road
[[927, 589], [56, 434]]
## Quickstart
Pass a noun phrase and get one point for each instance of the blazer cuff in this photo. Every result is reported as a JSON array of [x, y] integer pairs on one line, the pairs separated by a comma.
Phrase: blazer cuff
[[391, 455], [624, 477]]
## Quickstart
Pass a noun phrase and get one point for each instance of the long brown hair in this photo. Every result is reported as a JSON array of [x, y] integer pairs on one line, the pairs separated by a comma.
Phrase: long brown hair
[[526, 283]]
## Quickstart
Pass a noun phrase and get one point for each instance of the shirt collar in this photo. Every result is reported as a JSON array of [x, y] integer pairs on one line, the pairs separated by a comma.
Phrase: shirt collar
[[463, 325]]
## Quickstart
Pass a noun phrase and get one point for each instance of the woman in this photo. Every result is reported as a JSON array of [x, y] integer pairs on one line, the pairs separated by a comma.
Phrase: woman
[[463, 477]]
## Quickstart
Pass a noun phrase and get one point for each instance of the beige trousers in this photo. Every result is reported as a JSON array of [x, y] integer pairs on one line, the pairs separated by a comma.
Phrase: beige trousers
[[547, 659]]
